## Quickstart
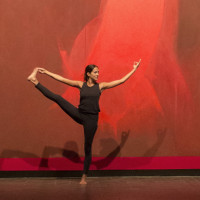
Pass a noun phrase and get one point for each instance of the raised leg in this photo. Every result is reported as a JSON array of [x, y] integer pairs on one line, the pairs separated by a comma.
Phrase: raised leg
[[67, 107]]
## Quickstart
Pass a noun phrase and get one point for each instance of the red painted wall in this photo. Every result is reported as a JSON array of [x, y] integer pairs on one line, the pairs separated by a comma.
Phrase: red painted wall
[[153, 117]]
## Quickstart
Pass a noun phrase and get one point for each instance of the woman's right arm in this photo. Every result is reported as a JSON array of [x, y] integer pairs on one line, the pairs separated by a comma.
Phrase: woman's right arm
[[57, 77]]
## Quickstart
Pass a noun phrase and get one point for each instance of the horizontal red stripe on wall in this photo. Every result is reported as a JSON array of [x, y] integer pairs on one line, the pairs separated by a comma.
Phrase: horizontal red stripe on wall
[[98, 163]]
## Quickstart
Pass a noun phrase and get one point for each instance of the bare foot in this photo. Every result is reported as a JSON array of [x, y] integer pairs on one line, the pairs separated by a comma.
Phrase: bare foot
[[83, 180], [32, 77]]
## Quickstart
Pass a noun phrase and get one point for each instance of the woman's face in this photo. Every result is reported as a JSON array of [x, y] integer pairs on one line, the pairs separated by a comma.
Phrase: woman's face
[[94, 74]]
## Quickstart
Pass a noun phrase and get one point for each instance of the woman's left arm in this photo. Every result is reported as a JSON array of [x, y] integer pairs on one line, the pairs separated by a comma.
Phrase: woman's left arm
[[107, 85]]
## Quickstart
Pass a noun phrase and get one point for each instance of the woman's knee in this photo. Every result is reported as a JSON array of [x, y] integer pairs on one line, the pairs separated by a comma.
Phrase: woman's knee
[[88, 149], [58, 98]]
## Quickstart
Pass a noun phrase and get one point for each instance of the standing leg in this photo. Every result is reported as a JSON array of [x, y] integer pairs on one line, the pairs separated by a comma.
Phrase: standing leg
[[90, 128]]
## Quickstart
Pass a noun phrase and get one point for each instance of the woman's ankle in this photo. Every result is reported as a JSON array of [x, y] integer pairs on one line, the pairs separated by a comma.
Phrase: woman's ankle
[[34, 81]]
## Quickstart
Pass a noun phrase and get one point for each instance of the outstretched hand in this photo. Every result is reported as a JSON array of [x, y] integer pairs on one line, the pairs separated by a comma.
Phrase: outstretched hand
[[42, 70], [136, 64]]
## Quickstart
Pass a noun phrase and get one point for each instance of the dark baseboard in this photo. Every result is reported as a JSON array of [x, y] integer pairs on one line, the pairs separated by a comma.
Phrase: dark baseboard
[[100, 173]]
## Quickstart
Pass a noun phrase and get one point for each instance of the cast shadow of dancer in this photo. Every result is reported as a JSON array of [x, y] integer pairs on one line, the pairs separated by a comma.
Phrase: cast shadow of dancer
[[160, 137], [102, 163], [43, 162], [7, 153], [73, 156], [70, 152], [149, 154]]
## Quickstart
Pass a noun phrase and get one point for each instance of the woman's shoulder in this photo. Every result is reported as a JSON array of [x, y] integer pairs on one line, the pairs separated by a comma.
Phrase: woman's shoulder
[[101, 86]]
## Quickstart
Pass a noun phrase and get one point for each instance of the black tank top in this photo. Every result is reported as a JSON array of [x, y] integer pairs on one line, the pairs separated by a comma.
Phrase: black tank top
[[89, 99]]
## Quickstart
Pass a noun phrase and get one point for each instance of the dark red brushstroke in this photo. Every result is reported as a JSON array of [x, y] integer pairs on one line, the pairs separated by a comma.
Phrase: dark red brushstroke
[[113, 42], [157, 96]]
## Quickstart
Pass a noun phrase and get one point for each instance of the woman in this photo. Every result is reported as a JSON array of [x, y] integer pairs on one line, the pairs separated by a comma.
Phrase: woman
[[87, 112]]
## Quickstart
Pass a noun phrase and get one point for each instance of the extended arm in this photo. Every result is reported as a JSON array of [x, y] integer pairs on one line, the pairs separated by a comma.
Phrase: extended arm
[[57, 77], [107, 85]]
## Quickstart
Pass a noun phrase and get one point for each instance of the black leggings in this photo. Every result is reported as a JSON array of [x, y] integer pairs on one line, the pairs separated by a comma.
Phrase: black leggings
[[89, 121]]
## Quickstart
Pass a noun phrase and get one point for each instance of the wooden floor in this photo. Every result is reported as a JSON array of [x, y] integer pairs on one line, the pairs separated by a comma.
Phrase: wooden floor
[[101, 188]]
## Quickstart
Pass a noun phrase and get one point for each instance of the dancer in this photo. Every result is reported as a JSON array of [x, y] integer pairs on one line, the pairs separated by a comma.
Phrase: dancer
[[88, 110]]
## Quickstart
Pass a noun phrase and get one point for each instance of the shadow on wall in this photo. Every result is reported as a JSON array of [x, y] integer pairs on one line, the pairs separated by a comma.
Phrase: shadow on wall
[[73, 155], [150, 153], [160, 138], [17, 154], [102, 163], [70, 152]]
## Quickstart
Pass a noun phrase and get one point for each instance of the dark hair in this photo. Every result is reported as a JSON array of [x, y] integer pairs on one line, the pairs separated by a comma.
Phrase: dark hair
[[89, 68]]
